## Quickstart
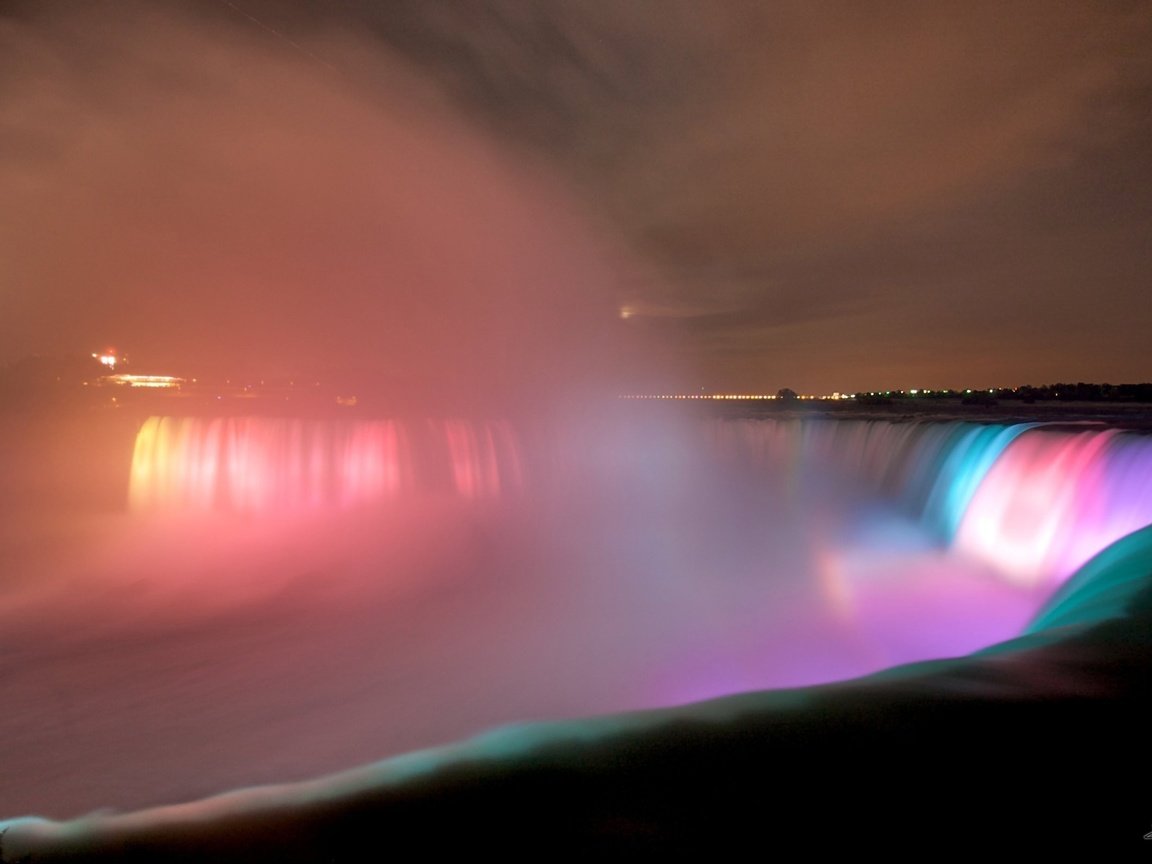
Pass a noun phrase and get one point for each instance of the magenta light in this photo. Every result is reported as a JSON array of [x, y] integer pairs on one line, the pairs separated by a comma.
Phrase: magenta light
[[1056, 499]]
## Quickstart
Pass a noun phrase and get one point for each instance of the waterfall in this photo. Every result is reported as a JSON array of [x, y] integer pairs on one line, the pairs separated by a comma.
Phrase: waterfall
[[1055, 499], [1036, 502], [262, 465]]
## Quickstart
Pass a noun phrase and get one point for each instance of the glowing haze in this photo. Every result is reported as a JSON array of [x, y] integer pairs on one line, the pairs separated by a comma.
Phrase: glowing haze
[[482, 212], [816, 196], [224, 201]]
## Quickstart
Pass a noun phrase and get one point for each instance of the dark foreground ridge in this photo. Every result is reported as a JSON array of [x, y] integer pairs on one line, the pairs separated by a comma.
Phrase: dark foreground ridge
[[1025, 741]]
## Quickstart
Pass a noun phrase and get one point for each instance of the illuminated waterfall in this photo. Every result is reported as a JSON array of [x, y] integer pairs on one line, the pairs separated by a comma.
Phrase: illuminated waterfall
[[1037, 503], [1034, 502], [346, 564], [1056, 499], [263, 465]]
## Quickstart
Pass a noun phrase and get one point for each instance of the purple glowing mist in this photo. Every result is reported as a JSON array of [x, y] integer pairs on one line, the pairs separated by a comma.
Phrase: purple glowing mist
[[844, 526], [288, 597]]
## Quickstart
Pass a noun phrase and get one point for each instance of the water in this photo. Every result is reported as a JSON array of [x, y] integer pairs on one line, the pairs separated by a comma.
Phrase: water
[[281, 598], [272, 465], [1035, 502]]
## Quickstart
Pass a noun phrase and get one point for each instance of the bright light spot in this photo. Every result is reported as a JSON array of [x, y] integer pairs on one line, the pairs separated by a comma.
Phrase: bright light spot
[[627, 312], [144, 380]]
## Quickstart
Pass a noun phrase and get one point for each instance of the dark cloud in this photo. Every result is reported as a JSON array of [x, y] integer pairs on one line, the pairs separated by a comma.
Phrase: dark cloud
[[822, 191]]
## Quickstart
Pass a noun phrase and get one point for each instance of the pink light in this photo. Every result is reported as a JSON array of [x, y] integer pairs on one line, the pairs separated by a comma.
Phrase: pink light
[[1054, 500], [269, 465]]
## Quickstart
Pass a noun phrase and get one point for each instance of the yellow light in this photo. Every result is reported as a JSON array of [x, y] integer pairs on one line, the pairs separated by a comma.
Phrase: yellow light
[[145, 380]]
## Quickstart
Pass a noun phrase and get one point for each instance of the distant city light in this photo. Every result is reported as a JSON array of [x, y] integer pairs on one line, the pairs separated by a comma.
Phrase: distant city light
[[154, 381], [734, 396], [108, 360]]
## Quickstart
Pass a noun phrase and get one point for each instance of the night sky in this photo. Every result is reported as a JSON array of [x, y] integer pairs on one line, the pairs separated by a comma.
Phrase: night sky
[[823, 196]]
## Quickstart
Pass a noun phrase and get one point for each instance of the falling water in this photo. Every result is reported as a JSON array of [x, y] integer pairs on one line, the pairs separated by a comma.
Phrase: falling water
[[1035, 502], [287, 597], [266, 465]]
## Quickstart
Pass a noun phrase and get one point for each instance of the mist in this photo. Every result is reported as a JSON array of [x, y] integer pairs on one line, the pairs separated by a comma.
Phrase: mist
[[216, 200], [173, 645], [226, 192], [213, 199]]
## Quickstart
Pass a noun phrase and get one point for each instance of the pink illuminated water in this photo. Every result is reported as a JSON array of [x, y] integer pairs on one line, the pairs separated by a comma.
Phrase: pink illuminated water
[[1035, 503], [1055, 500], [964, 506], [268, 465], [288, 597], [899, 541]]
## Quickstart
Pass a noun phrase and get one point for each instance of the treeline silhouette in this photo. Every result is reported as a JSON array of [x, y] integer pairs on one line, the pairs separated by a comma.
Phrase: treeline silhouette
[[1028, 394]]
